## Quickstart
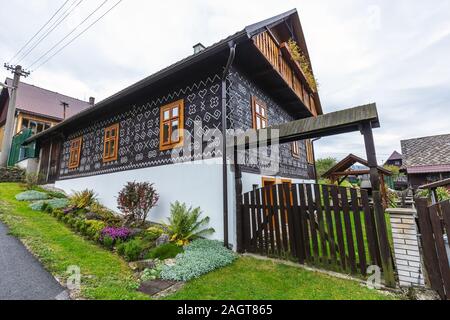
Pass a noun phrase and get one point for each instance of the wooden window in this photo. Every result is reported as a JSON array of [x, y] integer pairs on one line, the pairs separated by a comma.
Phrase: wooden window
[[295, 149], [309, 152], [259, 110], [75, 152], [111, 143], [172, 125]]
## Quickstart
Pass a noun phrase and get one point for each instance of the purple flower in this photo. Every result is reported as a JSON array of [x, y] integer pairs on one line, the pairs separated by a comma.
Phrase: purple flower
[[116, 233]]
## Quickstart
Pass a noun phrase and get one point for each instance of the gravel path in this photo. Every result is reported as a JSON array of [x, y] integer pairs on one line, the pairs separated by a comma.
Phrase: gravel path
[[22, 277]]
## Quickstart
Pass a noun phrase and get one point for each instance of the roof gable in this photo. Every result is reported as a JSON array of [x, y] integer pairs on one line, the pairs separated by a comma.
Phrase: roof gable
[[346, 163]]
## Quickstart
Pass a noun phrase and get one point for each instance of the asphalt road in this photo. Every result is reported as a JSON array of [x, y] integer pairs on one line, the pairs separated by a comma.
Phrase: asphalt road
[[22, 277]]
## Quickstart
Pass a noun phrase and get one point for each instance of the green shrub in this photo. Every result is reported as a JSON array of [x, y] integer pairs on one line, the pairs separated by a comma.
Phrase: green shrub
[[105, 214], [32, 195], [93, 229], [200, 257], [131, 250], [185, 224], [108, 242], [83, 199], [442, 194], [53, 203], [56, 194], [165, 251], [153, 233]]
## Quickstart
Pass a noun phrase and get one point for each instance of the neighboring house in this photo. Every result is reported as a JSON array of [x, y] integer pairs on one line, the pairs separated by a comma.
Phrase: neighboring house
[[396, 159], [37, 109], [132, 135], [426, 159]]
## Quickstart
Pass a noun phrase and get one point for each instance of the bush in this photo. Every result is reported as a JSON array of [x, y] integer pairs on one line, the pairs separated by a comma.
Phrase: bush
[[52, 203], [185, 224], [153, 233], [442, 194], [105, 214], [32, 180], [93, 229], [131, 250], [56, 194], [108, 242], [83, 199], [31, 195], [165, 251], [200, 257], [136, 200]]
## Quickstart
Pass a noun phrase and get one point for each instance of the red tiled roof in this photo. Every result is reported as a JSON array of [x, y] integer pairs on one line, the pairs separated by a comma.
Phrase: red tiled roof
[[39, 101], [429, 169]]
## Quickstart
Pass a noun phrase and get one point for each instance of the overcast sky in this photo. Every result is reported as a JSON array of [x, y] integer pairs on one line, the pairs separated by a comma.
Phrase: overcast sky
[[394, 53]]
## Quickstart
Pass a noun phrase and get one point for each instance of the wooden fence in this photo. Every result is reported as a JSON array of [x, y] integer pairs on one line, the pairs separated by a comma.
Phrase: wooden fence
[[434, 224], [330, 226]]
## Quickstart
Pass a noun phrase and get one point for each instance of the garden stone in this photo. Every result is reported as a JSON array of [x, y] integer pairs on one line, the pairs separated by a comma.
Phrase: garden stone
[[163, 239], [170, 262], [139, 266]]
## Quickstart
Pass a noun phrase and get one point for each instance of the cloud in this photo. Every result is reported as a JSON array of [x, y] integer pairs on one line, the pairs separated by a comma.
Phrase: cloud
[[394, 53]]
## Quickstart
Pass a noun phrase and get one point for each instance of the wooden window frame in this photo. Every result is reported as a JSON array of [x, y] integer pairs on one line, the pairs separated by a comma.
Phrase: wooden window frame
[[74, 164], [169, 107], [295, 148], [257, 115], [108, 157]]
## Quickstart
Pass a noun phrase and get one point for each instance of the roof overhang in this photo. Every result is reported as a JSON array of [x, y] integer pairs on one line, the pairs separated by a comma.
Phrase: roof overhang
[[343, 121], [428, 169]]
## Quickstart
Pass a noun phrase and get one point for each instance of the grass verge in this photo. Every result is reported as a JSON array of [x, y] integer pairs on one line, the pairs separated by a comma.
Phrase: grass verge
[[254, 279], [105, 276]]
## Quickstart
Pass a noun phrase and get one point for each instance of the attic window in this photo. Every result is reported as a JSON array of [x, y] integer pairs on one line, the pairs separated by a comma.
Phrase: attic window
[[75, 152], [259, 110], [172, 125], [111, 143]]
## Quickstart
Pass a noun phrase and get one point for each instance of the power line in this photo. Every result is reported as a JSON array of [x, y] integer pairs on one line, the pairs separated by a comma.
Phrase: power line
[[35, 35], [86, 29], [67, 13], [73, 30]]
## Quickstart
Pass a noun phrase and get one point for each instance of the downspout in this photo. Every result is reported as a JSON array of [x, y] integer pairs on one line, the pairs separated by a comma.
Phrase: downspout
[[231, 57]]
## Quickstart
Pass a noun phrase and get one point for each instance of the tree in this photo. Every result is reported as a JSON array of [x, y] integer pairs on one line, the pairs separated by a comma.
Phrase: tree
[[325, 164]]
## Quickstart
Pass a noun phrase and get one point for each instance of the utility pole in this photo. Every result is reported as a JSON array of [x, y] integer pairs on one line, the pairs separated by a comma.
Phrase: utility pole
[[11, 116], [65, 105]]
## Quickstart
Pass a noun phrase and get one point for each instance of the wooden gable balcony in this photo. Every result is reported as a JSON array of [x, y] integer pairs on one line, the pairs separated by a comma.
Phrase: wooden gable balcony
[[280, 57]]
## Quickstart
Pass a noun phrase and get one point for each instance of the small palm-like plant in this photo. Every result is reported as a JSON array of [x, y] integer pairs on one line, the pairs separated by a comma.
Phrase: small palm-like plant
[[83, 199], [185, 224]]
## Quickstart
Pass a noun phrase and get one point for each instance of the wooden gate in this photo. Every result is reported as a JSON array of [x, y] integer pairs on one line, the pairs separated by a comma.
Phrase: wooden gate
[[434, 225], [330, 226]]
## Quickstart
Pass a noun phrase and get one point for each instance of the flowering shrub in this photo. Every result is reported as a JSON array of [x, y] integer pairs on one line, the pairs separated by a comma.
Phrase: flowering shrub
[[31, 196], [200, 257], [136, 200], [116, 233]]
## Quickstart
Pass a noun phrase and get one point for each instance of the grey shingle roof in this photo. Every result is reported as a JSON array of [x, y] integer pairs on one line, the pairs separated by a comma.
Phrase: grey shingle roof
[[427, 151]]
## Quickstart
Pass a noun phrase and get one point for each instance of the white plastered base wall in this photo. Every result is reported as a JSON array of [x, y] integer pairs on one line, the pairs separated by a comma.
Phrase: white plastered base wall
[[198, 184]]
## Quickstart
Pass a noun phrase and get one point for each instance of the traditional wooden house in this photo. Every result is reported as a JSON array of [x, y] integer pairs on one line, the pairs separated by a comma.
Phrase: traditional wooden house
[[426, 159], [396, 159], [248, 80], [37, 109]]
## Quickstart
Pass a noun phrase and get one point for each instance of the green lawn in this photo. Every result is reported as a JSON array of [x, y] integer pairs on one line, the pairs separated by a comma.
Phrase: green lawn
[[254, 279], [104, 275]]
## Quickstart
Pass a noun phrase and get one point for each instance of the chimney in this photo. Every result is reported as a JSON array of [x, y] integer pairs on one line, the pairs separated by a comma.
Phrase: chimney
[[91, 101], [198, 48]]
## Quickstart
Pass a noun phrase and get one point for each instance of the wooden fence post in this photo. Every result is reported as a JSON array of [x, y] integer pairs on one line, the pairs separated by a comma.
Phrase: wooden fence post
[[385, 249]]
